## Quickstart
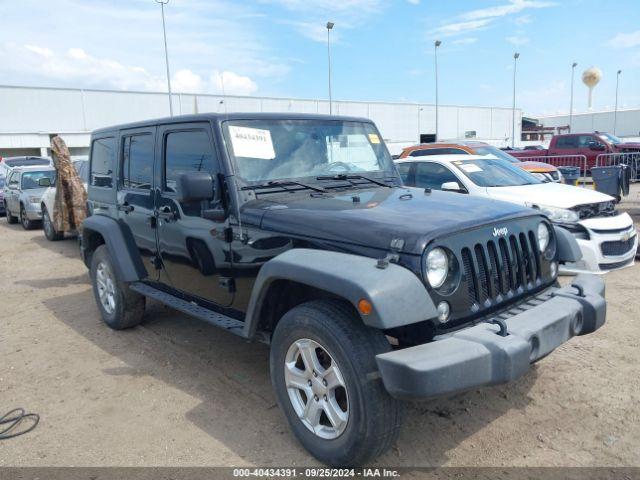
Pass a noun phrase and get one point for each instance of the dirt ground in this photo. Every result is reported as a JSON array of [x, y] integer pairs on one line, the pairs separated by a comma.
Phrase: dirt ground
[[177, 392]]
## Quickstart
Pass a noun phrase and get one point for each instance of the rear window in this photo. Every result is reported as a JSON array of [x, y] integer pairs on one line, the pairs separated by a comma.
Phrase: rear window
[[438, 151], [102, 161]]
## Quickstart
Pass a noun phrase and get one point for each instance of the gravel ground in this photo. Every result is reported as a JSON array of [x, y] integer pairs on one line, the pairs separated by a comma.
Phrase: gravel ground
[[177, 392]]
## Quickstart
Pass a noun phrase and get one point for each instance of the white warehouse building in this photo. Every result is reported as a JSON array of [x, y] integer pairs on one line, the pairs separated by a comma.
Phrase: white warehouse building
[[626, 122], [30, 115]]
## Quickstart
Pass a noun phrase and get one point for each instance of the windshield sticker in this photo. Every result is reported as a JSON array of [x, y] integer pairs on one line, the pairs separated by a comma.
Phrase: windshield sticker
[[373, 138], [470, 168], [252, 143]]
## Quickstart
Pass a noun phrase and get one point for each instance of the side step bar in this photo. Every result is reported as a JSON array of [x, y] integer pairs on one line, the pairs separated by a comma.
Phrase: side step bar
[[218, 319]]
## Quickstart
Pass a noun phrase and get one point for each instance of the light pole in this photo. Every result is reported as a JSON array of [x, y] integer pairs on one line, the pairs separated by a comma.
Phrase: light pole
[[573, 71], [166, 54], [329, 28], [513, 112], [436, 44], [615, 112]]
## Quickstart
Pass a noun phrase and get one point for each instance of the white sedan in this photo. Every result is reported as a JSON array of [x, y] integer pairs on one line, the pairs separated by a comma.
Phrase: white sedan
[[607, 237]]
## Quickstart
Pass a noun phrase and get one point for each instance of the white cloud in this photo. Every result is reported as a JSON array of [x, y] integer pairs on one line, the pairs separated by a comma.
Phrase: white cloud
[[523, 20], [42, 51], [517, 40], [514, 6], [459, 28], [465, 41], [231, 83], [625, 40], [187, 81]]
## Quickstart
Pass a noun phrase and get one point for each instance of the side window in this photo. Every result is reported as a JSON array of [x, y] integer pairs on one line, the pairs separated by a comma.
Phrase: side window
[[137, 161], [102, 162], [433, 175], [188, 151], [567, 142], [583, 140], [13, 180], [404, 169]]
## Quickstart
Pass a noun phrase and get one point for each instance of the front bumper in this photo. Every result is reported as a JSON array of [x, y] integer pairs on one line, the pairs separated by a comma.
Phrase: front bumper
[[603, 230], [33, 211], [478, 355]]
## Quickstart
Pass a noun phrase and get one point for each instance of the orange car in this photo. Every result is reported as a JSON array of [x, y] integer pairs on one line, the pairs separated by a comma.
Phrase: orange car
[[543, 171]]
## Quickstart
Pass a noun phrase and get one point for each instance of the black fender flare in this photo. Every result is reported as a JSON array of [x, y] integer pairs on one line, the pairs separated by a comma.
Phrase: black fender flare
[[120, 242], [568, 248], [397, 295]]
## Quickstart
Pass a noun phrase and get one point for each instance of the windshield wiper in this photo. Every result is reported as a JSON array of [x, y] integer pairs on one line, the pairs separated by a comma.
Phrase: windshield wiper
[[343, 176], [284, 184]]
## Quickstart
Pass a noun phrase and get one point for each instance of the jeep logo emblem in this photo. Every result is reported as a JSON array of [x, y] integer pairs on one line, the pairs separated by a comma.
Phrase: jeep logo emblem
[[500, 232]]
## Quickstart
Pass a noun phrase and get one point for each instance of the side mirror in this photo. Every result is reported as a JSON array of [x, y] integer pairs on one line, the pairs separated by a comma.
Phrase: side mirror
[[195, 187], [452, 187], [593, 145], [44, 182]]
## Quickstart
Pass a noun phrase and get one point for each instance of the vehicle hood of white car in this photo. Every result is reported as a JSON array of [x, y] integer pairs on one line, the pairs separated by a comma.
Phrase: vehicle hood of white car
[[549, 194]]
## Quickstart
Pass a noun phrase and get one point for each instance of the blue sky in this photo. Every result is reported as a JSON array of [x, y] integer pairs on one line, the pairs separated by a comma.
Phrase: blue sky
[[382, 50]]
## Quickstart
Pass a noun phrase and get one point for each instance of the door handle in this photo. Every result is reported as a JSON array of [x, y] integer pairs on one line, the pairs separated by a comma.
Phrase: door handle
[[126, 208]]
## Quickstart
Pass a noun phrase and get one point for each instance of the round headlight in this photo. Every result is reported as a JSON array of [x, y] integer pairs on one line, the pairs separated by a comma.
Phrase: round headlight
[[437, 267], [544, 235]]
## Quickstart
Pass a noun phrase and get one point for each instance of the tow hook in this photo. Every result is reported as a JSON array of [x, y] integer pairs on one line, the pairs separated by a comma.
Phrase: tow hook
[[503, 326], [580, 290]]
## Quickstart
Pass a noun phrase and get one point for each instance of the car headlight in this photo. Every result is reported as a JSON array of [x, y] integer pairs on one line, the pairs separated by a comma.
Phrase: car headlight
[[437, 267], [560, 215], [544, 236], [540, 176], [33, 199]]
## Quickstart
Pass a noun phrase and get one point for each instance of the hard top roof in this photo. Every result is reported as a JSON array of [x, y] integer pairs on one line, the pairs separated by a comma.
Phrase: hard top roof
[[221, 117]]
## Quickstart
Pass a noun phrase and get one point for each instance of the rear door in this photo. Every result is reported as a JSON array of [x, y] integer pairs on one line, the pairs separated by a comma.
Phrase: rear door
[[135, 198], [13, 184], [196, 258]]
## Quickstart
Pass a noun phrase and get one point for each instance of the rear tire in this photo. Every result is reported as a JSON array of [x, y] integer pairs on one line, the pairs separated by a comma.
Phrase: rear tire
[[332, 335], [119, 306], [11, 220], [49, 230], [24, 220]]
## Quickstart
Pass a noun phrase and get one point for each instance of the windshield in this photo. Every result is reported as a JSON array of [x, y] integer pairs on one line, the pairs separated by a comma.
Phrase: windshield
[[496, 152], [607, 137], [495, 173], [30, 179], [265, 150]]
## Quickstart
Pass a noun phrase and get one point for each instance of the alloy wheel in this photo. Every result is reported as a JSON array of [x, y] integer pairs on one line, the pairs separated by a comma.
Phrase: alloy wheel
[[106, 288], [316, 388]]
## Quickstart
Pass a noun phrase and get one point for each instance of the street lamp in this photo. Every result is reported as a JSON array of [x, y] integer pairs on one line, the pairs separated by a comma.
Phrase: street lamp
[[615, 112], [573, 71], [166, 53], [329, 28], [436, 44], [513, 113]]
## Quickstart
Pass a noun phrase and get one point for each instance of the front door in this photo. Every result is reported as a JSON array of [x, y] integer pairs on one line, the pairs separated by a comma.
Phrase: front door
[[136, 192], [12, 192], [196, 259]]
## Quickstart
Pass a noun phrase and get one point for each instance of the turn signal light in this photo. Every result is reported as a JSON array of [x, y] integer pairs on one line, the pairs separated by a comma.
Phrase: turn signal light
[[365, 307]]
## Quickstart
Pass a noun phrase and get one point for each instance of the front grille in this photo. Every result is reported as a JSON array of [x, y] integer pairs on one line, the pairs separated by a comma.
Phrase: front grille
[[618, 247], [501, 268], [613, 266]]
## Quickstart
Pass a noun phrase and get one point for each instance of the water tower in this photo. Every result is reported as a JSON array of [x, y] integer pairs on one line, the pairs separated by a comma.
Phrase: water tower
[[591, 77]]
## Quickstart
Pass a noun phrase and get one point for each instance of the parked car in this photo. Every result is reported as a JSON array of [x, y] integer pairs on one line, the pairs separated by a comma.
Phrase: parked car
[[48, 199], [588, 144], [543, 171], [606, 236], [368, 292], [23, 193], [2, 182]]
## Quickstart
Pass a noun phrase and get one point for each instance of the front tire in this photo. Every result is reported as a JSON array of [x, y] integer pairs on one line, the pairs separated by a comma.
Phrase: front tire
[[49, 230], [24, 220], [324, 373], [119, 306]]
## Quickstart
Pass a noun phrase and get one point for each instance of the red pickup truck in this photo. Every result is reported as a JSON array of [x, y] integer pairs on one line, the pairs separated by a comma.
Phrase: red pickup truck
[[588, 144]]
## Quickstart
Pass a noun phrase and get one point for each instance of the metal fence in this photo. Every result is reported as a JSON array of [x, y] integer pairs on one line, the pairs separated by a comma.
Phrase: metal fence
[[579, 161], [632, 159]]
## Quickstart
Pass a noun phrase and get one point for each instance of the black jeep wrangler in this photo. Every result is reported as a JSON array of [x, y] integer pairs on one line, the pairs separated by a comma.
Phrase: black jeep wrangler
[[296, 230]]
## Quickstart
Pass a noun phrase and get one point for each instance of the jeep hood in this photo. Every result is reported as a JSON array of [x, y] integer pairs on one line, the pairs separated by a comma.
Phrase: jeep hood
[[549, 194], [380, 215]]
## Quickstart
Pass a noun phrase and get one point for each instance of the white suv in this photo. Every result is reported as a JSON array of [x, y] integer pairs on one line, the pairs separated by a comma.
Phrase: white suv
[[607, 237]]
